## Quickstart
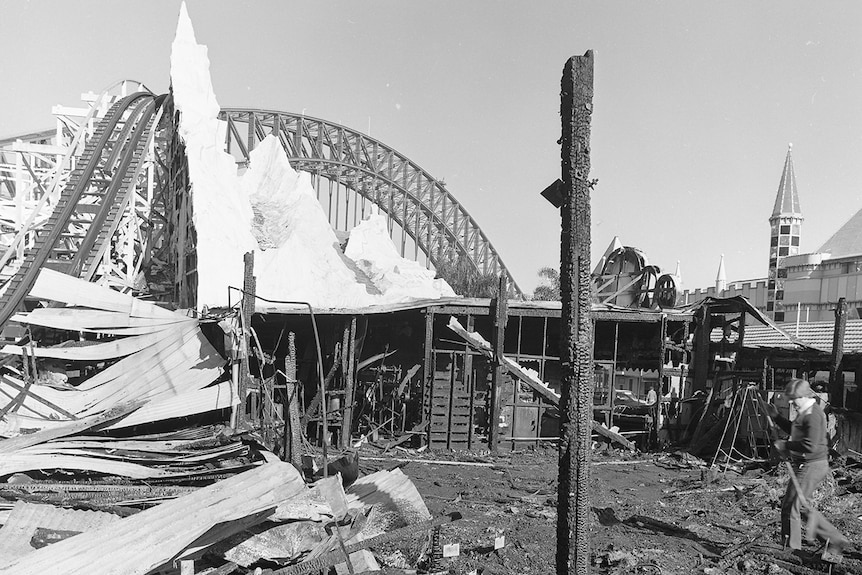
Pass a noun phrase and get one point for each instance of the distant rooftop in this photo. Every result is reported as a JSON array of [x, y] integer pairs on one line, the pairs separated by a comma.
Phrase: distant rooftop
[[816, 334], [847, 241]]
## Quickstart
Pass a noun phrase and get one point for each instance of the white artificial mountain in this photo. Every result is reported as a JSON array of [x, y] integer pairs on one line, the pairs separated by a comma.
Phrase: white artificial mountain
[[272, 209]]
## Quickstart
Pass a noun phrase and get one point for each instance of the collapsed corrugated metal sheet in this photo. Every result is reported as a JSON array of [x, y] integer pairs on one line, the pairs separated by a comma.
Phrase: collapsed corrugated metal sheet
[[166, 364], [138, 544], [150, 365], [391, 493], [392, 489], [25, 518]]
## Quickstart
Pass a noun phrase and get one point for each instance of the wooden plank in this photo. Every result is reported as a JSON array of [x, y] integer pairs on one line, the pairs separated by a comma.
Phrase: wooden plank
[[443, 426], [615, 437]]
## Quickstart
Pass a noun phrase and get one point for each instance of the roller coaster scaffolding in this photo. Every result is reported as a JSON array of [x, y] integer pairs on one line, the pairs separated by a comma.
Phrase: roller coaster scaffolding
[[104, 196]]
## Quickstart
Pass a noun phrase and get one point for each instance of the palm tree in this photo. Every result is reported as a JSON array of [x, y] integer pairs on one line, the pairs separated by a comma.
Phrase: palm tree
[[463, 277], [544, 292]]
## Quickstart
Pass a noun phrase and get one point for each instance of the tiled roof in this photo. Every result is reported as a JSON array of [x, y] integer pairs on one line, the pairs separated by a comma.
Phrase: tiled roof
[[816, 334], [787, 199], [847, 241]]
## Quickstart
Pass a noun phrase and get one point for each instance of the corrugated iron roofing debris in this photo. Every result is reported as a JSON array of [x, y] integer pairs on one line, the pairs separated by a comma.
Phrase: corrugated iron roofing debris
[[182, 361], [392, 488], [273, 541], [92, 494], [211, 398], [22, 462], [93, 320], [56, 286], [105, 451], [61, 429], [391, 494], [25, 518], [103, 457], [138, 544], [100, 351]]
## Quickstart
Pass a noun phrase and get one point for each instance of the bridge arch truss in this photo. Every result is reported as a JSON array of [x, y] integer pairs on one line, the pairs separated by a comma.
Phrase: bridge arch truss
[[356, 171]]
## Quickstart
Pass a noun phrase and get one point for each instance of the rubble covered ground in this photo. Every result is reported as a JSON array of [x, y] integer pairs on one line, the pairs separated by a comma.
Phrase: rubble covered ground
[[663, 513]]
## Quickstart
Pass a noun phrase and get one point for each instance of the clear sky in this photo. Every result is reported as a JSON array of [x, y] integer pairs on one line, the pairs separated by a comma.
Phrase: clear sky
[[695, 103]]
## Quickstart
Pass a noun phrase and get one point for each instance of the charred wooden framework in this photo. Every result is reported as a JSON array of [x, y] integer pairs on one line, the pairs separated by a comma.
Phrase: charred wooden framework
[[458, 380], [179, 256], [403, 375]]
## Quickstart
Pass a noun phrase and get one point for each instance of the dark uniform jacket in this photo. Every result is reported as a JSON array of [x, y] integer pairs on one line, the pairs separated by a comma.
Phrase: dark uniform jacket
[[807, 435]]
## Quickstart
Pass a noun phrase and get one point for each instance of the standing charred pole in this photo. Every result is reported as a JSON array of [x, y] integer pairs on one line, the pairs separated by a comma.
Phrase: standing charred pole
[[249, 289], [836, 379], [576, 107], [500, 304], [292, 427]]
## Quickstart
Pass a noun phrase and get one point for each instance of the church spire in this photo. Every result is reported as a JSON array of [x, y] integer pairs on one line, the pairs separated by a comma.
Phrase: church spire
[[785, 233], [787, 199], [720, 278]]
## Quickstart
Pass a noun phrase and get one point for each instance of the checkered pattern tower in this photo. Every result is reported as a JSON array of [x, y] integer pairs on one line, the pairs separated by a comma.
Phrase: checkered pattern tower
[[785, 234]]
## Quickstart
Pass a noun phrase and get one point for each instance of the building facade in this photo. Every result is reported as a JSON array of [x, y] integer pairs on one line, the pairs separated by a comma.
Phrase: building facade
[[799, 287]]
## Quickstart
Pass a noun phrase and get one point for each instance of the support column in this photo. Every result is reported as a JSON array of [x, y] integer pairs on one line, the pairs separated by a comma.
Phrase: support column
[[349, 355], [576, 106], [658, 417], [428, 373], [836, 376], [247, 310], [500, 305], [703, 327], [293, 435]]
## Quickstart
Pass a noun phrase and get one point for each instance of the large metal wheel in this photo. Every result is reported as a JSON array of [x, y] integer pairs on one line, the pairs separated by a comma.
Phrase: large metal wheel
[[647, 286], [666, 291]]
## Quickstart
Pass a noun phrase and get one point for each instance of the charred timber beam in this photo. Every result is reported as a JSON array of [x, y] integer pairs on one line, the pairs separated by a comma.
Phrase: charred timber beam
[[349, 358], [836, 378], [576, 105], [500, 316], [293, 429]]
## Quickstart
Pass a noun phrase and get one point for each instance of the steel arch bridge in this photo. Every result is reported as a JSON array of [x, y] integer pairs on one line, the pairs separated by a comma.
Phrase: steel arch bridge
[[430, 219]]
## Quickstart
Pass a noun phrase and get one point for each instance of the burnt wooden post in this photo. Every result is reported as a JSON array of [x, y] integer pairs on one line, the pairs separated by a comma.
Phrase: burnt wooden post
[[703, 327], [428, 368], [349, 359], [576, 106], [500, 304], [249, 288], [658, 416], [836, 376], [293, 432]]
